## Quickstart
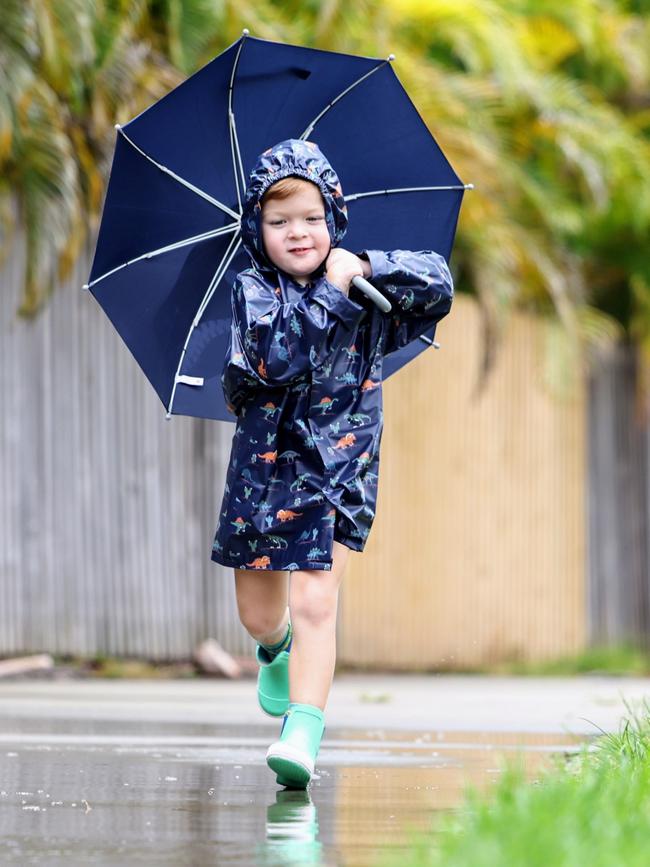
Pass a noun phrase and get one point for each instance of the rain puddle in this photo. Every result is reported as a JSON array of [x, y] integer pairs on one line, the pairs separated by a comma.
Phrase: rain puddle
[[101, 793]]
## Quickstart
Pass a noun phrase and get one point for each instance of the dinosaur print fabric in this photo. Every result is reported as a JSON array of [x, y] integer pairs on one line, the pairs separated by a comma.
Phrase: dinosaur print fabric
[[303, 376]]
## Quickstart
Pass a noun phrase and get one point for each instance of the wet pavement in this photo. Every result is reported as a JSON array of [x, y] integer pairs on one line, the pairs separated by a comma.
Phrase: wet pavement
[[173, 772]]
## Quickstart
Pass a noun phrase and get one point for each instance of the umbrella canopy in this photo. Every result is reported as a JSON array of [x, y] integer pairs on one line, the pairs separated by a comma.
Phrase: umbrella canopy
[[169, 243]]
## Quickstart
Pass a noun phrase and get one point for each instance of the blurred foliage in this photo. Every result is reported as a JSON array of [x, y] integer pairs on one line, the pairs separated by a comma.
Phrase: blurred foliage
[[543, 105]]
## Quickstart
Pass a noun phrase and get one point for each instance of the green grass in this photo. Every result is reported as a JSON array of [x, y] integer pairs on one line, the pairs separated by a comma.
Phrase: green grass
[[592, 809], [620, 659], [114, 667], [614, 660]]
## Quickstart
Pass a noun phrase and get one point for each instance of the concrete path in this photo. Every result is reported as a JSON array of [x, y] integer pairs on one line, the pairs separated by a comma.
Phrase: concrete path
[[578, 705]]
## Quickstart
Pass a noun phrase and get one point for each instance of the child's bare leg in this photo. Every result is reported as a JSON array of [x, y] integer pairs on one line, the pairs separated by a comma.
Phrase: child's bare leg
[[262, 600], [313, 601]]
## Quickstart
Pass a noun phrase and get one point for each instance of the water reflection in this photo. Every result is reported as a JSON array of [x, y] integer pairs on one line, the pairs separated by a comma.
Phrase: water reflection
[[291, 831]]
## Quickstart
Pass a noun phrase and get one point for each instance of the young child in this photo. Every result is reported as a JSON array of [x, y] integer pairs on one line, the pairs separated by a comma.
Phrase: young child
[[303, 375]]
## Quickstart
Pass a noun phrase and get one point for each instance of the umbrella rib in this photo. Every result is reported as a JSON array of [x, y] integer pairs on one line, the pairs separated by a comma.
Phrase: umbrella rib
[[234, 141], [213, 233], [218, 274], [228, 257], [354, 84], [181, 180], [353, 196]]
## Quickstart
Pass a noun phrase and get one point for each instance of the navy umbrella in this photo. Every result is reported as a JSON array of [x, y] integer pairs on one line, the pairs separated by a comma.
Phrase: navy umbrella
[[169, 244]]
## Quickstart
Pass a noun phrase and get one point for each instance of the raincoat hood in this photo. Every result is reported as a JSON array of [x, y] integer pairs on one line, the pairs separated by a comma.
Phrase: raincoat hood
[[296, 158]]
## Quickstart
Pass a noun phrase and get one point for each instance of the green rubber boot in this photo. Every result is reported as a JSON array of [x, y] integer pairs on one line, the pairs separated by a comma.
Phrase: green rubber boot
[[293, 757], [273, 681]]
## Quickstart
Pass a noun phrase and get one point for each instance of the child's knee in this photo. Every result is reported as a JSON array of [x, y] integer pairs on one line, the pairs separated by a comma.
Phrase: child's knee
[[314, 597], [261, 621]]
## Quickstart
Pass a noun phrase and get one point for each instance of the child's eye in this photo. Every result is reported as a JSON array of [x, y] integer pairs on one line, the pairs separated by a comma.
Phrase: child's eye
[[277, 222], [316, 219]]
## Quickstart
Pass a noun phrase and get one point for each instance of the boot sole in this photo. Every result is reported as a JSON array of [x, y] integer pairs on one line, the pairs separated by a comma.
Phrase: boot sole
[[274, 714], [293, 767]]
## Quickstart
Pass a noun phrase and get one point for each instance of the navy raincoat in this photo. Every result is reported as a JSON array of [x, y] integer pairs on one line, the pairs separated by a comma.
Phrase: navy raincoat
[[303, 374]]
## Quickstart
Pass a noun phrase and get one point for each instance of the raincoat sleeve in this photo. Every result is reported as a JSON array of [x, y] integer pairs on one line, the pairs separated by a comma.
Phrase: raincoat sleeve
[[274, 343], [420, 287]]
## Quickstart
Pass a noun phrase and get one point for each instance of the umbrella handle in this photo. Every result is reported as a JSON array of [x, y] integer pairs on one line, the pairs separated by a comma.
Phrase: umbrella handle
[[368, 289]]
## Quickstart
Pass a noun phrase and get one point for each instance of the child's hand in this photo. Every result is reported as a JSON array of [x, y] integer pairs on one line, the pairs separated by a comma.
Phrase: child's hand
[[341, 266]]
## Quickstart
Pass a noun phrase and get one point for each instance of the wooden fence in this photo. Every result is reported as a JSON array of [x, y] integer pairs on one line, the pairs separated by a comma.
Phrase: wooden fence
[[478, 551], [107, 510], [479, 548]]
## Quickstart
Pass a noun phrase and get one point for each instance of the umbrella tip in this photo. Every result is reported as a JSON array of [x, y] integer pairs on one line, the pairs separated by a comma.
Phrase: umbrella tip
[[391, 57], [85, 286], [118, 126], [469, 186], [168, 416], [245, 31]]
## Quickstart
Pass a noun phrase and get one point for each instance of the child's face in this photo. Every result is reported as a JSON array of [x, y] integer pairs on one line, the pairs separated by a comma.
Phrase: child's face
[[295, 232]]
